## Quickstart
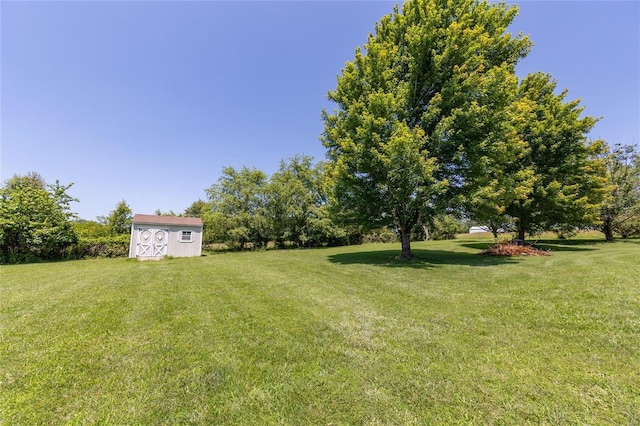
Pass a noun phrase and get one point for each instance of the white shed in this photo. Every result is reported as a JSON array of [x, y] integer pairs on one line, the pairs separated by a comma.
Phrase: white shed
[[153, 237]]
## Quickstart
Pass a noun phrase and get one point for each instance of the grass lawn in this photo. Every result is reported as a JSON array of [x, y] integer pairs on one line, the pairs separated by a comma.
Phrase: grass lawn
[[330, 336]]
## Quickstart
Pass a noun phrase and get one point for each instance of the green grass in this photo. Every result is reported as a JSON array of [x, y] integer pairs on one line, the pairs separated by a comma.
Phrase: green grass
[[333, 336]]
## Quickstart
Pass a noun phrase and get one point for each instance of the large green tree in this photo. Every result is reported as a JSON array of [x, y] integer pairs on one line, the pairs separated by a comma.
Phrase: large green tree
[[238, 203], [294, 198], [555, 180], [290, 207], [197, 209], [558, 181], [422, 110], [621, 210], [35, 219]]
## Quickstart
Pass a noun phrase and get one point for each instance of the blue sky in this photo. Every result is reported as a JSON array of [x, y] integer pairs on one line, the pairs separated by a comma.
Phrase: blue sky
[[148, 101]]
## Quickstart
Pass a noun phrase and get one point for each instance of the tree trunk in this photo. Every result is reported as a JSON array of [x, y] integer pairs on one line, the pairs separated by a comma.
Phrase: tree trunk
[[607, 229], [521, 223], [405, 239], [521, 231], [426, 232]]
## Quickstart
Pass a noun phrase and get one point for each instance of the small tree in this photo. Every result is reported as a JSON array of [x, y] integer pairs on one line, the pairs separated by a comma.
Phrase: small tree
[[294, 197], [558, 180], [34, 219], [239, 200], [90, 229], [555, 178], [445, 227], [119, 220], [197, 209], [621, 210]]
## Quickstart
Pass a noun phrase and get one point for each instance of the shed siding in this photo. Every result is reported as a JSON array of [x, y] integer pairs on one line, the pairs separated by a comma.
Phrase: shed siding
[[177, 248], [174, 247]]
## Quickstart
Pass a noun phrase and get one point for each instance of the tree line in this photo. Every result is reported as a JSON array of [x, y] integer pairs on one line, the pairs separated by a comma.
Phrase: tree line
[[292, 208], [430, 124]]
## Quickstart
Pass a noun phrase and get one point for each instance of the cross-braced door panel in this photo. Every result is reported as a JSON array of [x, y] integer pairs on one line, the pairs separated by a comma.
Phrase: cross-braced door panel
[[152, 242], [160, 239]]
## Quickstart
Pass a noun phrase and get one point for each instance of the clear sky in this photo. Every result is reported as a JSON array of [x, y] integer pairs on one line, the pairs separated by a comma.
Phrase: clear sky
[[148, 101]]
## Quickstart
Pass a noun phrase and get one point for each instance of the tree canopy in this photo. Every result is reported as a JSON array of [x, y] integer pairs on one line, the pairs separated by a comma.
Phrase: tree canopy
[[620, 212], [289, 207], [34, 219], [119, 220], [559, 177], [431, 118], [555, 180], [421, 111], [238, 202], [294, 200]]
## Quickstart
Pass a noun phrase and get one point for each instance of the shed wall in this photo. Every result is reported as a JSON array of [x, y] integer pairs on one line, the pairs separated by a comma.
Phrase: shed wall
[[174, 247]]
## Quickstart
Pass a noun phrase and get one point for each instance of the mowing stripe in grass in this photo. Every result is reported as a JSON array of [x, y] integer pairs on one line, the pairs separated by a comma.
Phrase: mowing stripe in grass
[[345, 335]]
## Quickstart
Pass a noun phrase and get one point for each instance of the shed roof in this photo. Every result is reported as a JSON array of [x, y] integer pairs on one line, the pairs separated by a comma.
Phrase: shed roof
[[152, 219]]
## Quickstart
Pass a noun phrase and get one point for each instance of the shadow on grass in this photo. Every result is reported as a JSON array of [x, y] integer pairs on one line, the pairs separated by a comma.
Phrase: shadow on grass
[[568, 245], [422, 259], [570, 242]]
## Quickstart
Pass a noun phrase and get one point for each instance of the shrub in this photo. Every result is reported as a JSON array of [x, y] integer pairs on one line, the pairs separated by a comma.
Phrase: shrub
[[445, 227], [115, 246], [382, 235]]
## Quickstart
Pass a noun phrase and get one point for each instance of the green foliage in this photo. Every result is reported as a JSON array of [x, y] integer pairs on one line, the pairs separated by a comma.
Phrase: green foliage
[[89, 229], [629, 228], [119, 220], [421, 111], [565, 231], [197, 209], [106, 246], [159, 212], [382, 235], [321, 230], [34, 220], [620, 212], [558, 180], [96, 240], [289, 208], [296, 203], [213, 228], [445, 227], [238, 203], [554, 179]]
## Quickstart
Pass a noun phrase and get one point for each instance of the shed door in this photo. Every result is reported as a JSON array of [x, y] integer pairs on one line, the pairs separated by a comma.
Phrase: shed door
[[152, 242]]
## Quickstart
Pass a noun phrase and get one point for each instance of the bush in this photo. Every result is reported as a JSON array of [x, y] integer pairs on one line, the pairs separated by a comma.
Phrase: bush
[[565, 232], [382, 235], [445, 227], [34, 220], [116, 246], [629, 228]]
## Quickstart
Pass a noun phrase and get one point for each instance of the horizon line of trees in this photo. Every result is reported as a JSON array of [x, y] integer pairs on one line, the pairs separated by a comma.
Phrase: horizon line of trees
[[291, 208]]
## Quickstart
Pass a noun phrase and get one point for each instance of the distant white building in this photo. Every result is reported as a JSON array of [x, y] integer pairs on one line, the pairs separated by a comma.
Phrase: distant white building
[[478, 229], [154, 237]]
